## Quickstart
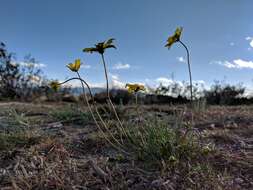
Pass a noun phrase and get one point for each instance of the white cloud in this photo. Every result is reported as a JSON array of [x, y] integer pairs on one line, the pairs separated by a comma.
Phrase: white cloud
[[114, 76], [85, 66], [120, 66], [235, 64], [224, 63], [97, 85], [181, 86], [231, 43], [243, 64], [27, 64], [181, 59], [250, 39], [200, 82], [248, 92], [116, 82], [164, 81], [77, 84], [167, 81]]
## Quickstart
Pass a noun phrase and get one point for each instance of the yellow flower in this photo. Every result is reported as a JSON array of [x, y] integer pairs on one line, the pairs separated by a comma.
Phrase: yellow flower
[[134, 87], [175, 38], [74, 66], [100, 47], [54, 85]]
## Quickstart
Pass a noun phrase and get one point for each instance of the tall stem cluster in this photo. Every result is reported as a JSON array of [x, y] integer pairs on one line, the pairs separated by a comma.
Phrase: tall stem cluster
[[119, 147], [108, 96]]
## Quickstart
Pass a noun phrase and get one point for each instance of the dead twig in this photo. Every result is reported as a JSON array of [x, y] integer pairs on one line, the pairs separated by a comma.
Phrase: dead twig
[[101, 173]]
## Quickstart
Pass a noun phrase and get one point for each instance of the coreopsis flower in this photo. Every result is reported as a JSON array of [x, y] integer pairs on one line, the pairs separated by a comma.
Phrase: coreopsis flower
[[74, 66], [134, 87], [55, 85], [174, 38], [100, 47]]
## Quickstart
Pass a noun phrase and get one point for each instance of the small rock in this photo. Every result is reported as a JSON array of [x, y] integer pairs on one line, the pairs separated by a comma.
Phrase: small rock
[[242, 144], [129, 182], [54, 125], [157, 183], [212, 126], [239, 180]]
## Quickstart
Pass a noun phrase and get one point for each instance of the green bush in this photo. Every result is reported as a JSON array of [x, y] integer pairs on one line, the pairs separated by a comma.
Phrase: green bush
[[156, 140]]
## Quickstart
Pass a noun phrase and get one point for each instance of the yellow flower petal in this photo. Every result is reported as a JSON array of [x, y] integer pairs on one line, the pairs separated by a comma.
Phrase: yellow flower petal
[[101, 47], [134, 87], [175, 37], [75, 66], [54, 85], [178, 32]]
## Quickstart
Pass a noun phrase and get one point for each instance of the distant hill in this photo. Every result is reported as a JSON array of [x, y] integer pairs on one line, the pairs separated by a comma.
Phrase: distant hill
[[79, 90]]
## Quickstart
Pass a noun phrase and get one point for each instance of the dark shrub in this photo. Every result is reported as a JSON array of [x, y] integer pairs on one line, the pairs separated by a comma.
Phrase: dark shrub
[[118, 96], [19, 81], [224, 94]]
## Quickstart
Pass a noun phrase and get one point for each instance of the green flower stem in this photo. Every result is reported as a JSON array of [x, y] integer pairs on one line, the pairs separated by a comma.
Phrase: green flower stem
[[94, 118], [189, 66], [96, 109], [108, 96], [106, 76], [137, 107]]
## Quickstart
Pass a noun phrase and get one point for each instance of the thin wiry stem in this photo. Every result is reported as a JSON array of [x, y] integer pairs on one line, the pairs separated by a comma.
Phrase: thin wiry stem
[[83, 81], [108, 96], [106, 76], [104, 124], [136, 99], [137, 107], [91, 109], [94, 118], [189, 66]]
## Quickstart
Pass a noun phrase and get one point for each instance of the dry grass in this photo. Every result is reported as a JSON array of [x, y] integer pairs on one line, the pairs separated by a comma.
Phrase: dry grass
[[40, 150]]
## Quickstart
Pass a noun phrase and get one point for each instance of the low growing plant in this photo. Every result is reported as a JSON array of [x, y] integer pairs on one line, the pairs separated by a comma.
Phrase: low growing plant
[[9, 141], [71, 114], [156, 141]]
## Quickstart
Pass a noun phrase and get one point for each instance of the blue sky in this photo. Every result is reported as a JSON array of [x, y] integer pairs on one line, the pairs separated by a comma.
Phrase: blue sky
[[219, 34]]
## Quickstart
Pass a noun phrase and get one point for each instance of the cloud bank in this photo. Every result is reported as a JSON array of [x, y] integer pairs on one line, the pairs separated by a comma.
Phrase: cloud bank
[[27, 64], [120, 66], [235, 64]]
